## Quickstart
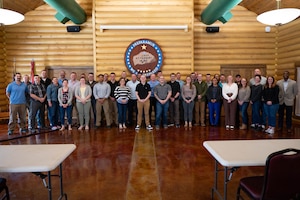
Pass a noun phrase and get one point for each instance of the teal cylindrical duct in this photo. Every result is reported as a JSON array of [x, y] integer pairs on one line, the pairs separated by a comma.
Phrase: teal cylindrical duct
[[218, 10], [68, 10]]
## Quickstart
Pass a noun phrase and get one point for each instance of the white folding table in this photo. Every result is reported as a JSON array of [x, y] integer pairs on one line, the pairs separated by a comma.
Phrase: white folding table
[[36, 159], [232, 154]]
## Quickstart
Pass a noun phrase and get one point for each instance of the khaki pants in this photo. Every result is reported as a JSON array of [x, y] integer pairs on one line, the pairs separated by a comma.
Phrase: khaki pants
[[105, 107], [143, 106], [113, 111], [16, 110], [200, 112]]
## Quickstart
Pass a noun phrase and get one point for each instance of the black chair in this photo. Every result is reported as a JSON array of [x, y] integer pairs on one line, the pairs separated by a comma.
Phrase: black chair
[[281, 180], [3, 187]]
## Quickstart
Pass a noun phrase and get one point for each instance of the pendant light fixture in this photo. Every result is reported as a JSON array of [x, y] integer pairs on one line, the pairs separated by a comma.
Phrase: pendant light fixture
[[9, 17], [279, 16]]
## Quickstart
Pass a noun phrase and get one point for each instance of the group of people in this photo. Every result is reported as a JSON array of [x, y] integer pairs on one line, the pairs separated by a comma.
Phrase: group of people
[[127, 102], [266, 97]]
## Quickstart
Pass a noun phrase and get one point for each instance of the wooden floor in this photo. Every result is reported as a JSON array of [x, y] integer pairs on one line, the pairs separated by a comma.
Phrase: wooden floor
[[110, 164]]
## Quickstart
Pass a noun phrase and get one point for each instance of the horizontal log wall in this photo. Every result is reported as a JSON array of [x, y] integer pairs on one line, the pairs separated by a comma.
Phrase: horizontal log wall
[[3, 98], [42, 38], [176, 45], [242, 40], [288, 48]]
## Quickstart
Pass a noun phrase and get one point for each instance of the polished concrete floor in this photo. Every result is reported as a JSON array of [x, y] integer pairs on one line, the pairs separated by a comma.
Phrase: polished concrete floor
[[112, 164]]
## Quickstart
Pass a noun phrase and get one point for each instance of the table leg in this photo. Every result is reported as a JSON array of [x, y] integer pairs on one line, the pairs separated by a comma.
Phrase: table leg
[[215, 187], [49, 186], [62, 194], [225, 182]]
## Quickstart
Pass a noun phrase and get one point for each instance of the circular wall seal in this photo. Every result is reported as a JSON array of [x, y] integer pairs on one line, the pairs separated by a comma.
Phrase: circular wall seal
[[143, 56]]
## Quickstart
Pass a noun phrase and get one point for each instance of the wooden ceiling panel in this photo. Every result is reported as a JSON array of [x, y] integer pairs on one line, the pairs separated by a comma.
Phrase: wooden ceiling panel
[[260, 6], [22, 6]]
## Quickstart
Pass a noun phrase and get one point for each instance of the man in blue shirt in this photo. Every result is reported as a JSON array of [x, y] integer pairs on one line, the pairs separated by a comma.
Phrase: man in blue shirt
[[16, 92], [53, 104]]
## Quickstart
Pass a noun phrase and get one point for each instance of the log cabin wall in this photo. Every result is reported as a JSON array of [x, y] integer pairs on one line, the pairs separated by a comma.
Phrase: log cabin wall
[[42, 38], [3, 98], [288, 40], [241, 41], [176, 45]]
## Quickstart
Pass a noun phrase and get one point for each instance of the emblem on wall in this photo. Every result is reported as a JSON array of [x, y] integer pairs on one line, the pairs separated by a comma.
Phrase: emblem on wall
[[143, 56]]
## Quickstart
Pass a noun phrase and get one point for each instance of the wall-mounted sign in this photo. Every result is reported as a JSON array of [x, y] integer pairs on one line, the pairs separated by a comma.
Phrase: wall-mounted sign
[[143, 56]]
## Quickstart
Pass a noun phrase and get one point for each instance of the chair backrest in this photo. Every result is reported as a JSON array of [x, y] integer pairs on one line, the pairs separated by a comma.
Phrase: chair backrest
[[282, 175]]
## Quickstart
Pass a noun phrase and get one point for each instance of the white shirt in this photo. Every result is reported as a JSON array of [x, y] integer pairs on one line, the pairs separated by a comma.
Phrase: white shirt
[[132, 85], [227, 89]]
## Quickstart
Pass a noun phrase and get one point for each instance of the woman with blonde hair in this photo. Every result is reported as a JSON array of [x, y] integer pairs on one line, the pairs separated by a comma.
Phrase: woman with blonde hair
[[229, 93], [83, 94], [188, 93]]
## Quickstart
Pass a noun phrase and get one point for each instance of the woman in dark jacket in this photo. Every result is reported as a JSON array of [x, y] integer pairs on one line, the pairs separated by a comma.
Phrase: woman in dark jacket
[[271, 103], [214, 98], [255, 101]]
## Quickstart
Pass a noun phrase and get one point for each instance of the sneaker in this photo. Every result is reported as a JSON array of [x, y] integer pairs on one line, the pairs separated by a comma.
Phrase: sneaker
[[267, 131], [149, 127], [231, 127], [177, 125], [156, 127], [10, 132], [53, 128], [137, 127], [263, 127], [120, 126], [124, 126], [171, 125], [227, 127], [271, 131], [165, 126], [253, 126]]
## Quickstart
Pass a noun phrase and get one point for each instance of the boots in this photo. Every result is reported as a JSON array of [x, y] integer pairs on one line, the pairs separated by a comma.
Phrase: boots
[[243, 127]]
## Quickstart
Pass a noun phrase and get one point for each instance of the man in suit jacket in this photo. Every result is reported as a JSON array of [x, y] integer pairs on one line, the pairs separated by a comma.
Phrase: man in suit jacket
[[288, 92]]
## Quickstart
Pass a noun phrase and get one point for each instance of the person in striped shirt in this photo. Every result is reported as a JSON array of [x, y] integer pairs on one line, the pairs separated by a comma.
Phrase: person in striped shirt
[[122, 94]]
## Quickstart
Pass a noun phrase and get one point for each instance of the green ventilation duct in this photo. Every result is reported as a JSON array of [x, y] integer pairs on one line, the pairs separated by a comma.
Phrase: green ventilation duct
[[67, 10], [218, 10]]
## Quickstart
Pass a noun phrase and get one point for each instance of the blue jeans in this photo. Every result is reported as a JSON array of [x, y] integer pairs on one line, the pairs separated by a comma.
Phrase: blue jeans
[[122, 111], [271, 111], [256, 117], [214, 112], [244, 112], [161, 111], [53, 113], [62, 114]]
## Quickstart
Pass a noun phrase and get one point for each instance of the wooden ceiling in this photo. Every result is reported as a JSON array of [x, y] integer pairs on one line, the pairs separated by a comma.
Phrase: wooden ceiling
[[257, 6]]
